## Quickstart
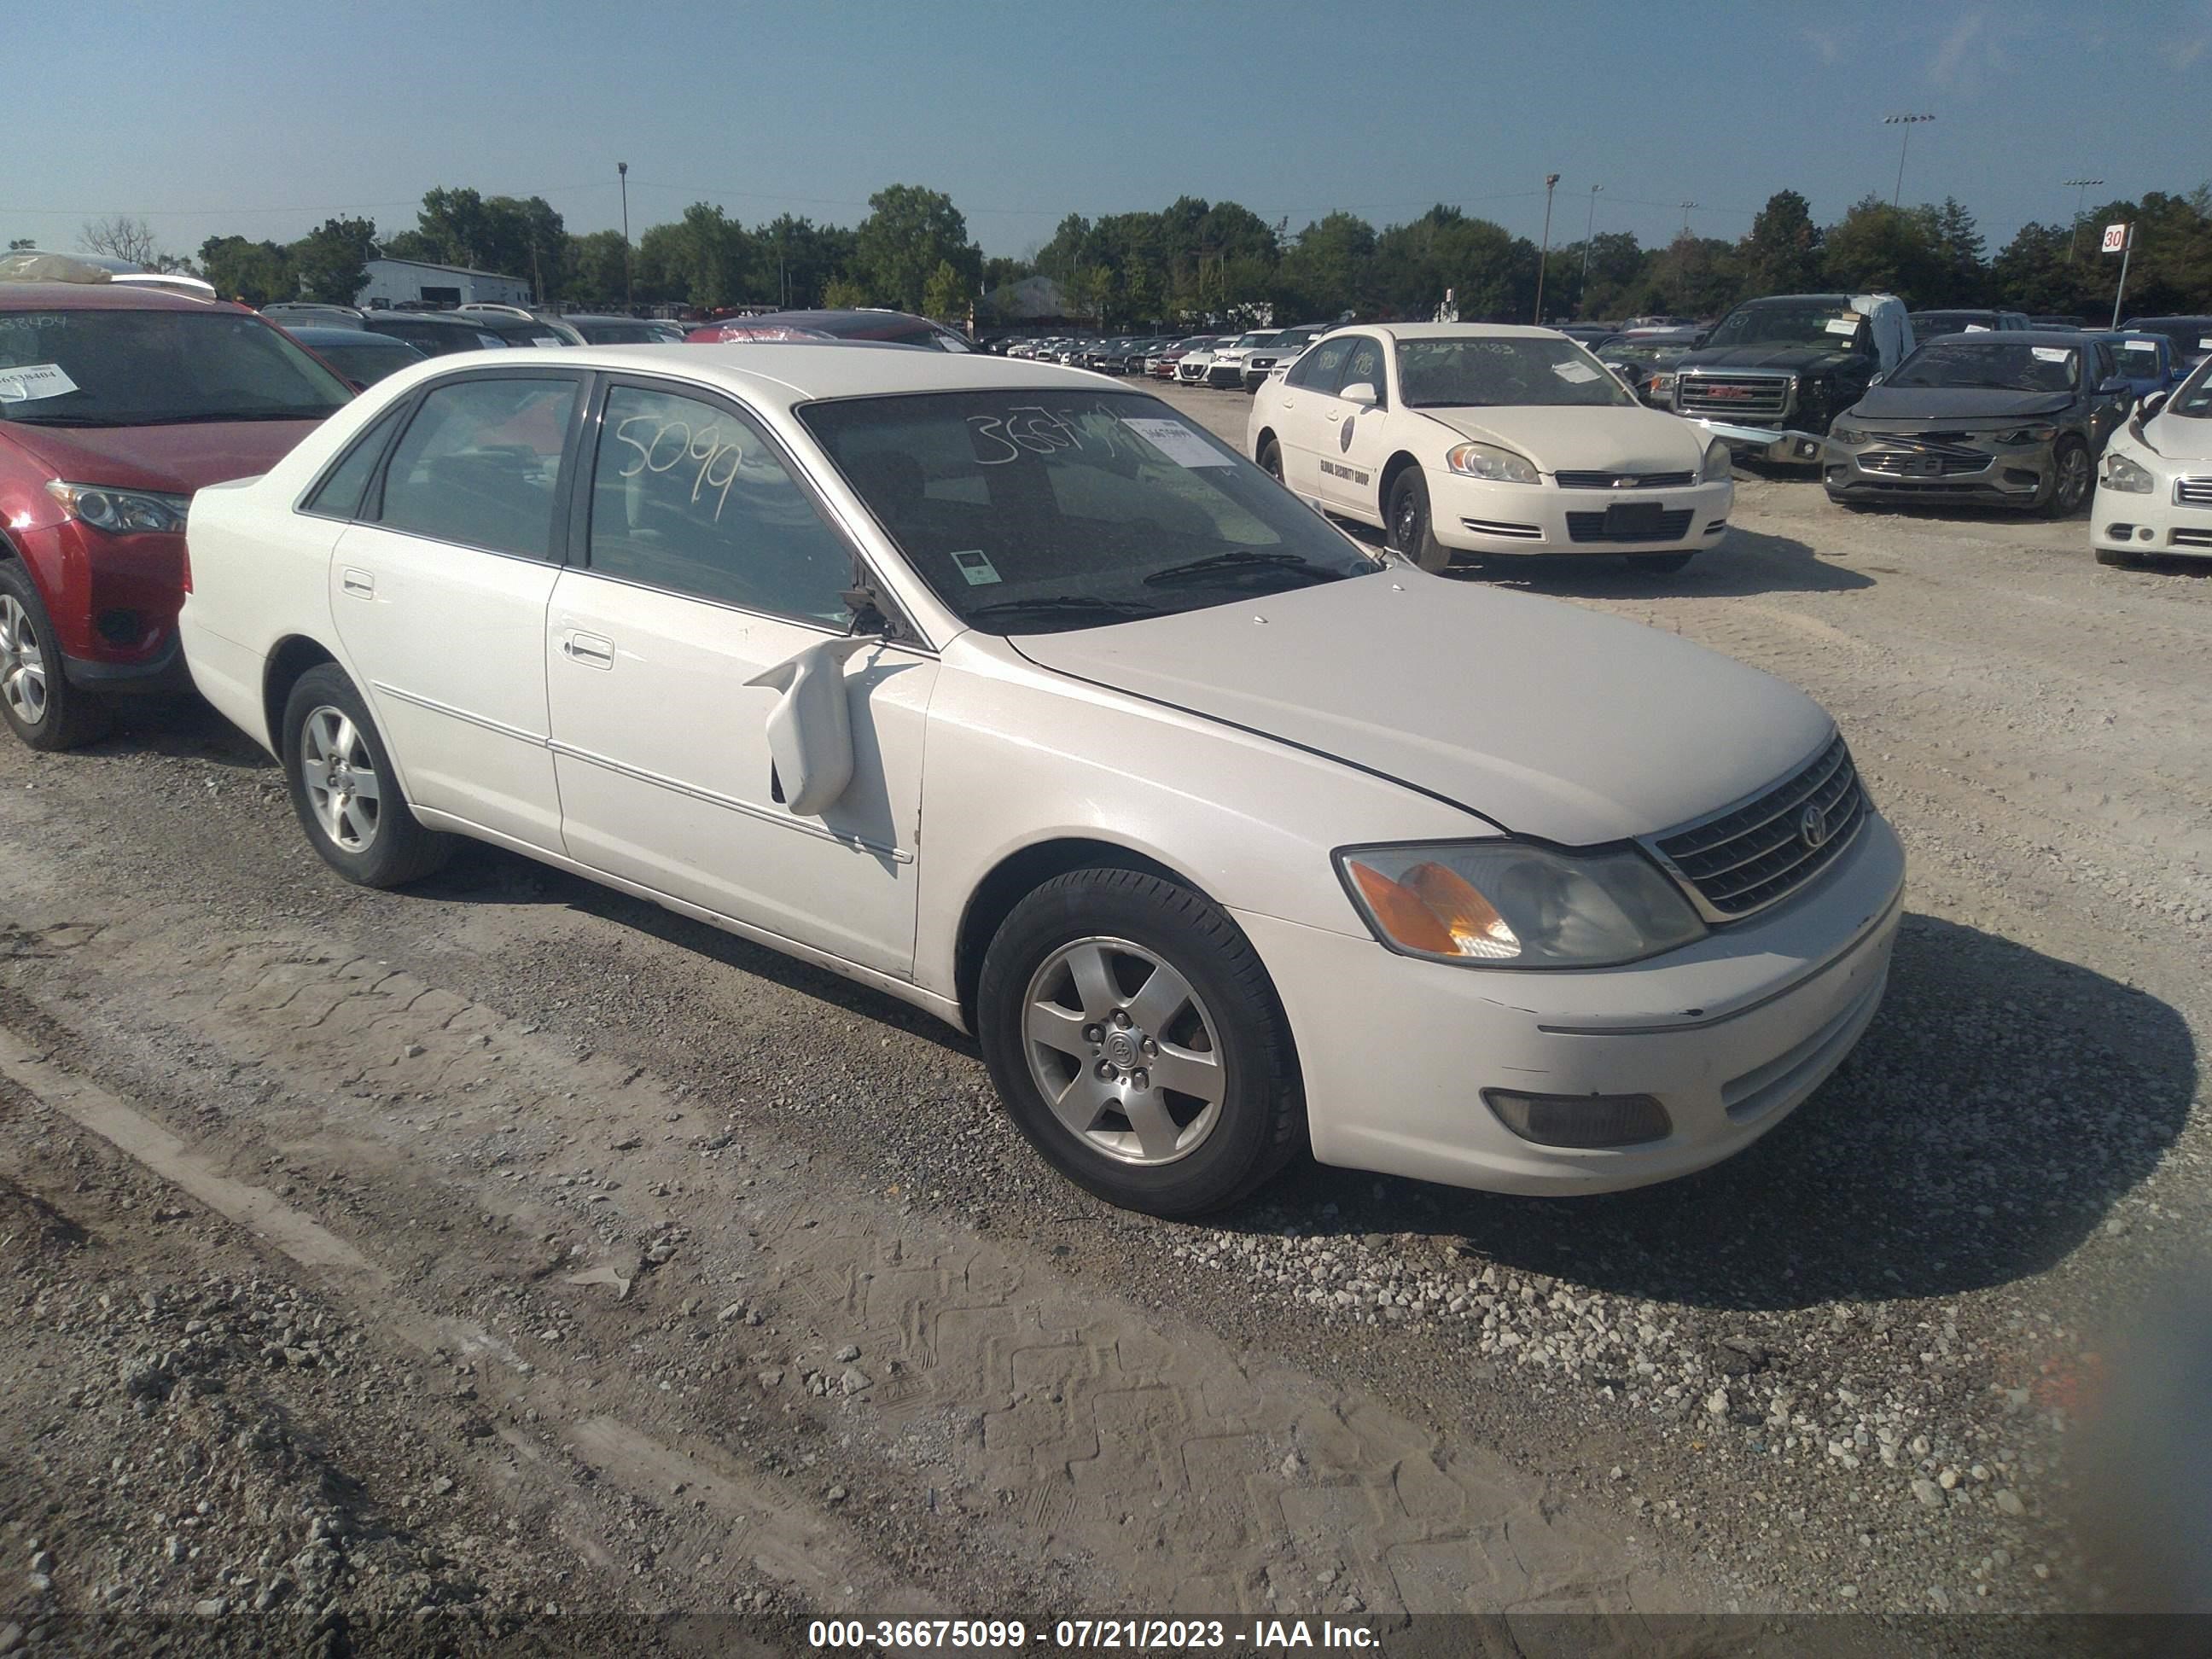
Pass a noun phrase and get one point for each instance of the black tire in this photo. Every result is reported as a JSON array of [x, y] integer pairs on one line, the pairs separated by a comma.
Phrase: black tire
[[2119, 558], [1659, 564], [2073, 477], [36, 698], [1260, 1120], [1406, 527], [1271, 458], [397, 850]]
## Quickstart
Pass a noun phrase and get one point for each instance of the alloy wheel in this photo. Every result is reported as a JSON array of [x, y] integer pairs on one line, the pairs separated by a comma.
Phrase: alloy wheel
[[2073, 477], [341, 778], [1124, 1051], [22, 663]]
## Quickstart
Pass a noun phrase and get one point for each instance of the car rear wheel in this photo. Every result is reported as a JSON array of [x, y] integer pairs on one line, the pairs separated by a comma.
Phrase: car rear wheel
[[1406, 515], [1271, 460], [344, 791], [36, 699], [2072, 480], [1138, 1043]]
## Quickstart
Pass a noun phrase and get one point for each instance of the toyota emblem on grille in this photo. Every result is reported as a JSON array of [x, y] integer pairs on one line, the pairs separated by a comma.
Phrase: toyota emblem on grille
[[1813, 828]]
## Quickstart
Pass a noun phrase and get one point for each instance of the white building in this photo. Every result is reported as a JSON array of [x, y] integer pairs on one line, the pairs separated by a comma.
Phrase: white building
[[394, 280]]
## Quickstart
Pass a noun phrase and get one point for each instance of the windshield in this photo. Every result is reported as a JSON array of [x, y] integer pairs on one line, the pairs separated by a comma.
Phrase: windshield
[[1032, 512], [1455, 373], [2194, 397], [2138, 358], [1953, 322], [1651, 353], [619, 333], [2192, 334], [1253, 339], [1991, 366], [370, 358], [157, 368], [1835, 325]]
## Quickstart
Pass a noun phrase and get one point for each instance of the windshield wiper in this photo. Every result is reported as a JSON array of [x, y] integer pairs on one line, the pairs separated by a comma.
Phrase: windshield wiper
[[1240, 560], [61, 420], [1062, 602], [223, 416]]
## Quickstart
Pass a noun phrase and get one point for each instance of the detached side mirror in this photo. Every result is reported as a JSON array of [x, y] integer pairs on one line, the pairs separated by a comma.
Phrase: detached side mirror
[[810, 730], [1362, 393]]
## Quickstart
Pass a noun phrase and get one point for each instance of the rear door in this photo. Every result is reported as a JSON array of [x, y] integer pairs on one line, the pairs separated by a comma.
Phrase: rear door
[[439, 594], [1305, 393], [1352, 441], [702, 558]]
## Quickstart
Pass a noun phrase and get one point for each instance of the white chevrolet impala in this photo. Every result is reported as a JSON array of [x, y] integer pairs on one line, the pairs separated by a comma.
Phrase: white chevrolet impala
[[1014, 694], [1474, 439]]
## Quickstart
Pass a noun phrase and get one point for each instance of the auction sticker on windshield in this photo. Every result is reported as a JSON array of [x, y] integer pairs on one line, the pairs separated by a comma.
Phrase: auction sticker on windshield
[[1574, 372], [1176, 441], [32, 382], [1843, 325], [972, 563], [2049, 353]]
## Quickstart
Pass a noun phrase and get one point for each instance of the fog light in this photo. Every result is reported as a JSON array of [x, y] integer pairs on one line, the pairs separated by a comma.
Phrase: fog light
[[1585, 1121], [118, 627], [2118, 533], [2143, 534]]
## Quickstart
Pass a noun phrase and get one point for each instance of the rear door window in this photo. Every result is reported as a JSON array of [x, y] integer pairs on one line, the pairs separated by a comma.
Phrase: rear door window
[[480, 464]]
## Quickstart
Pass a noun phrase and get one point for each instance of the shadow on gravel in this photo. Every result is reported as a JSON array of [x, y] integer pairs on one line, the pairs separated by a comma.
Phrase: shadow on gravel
[[181, 727], [1998, 1107], [1746, 563]]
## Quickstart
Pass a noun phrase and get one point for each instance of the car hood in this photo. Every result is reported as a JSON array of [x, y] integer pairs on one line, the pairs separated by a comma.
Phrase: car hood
[[1770, 355], [1956, 402], [2179, 437], [174, 459], [1624, 438], [1546, 719]]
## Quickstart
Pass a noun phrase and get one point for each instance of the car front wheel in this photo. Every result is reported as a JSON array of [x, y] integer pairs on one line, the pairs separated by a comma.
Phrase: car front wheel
[[2073, 477], [1271, 460], [36, 699], [1138, 1043], [1406, 515], [344, 791]]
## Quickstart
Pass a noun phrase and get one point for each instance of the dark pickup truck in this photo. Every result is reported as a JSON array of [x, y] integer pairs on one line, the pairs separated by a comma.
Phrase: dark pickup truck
[[1773, 373]]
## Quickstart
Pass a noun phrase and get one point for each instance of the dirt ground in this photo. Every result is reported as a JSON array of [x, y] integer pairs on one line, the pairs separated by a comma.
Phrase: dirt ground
[[511, 1260]]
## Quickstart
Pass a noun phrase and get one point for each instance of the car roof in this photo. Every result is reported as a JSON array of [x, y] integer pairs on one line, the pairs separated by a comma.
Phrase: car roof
[[786, 372], [435, 318], [101, 296], [2016, 336], [1457, 331]]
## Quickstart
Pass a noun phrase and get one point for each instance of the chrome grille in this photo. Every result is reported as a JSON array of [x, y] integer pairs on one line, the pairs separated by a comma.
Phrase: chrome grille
[[1911, 462], [2193, 492], [1732, 397], [1624, 480], [1757, 854]]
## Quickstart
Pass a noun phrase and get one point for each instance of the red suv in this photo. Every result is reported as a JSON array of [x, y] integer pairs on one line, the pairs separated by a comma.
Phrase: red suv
[[117, 401]]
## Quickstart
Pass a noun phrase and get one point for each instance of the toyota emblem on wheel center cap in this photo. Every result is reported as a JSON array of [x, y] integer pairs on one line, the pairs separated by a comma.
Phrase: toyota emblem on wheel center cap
[[1813, 828]]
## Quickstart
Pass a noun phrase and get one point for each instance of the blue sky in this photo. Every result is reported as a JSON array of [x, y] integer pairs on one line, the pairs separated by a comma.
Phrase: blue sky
[[266, 118]]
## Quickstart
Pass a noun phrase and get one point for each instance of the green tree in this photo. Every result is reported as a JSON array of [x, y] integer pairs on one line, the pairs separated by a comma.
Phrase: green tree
[[1330, 268], [1783, 253], [256, 272], [910, 231], [1880, 249], [598, 267], [332, 261], [945, 296], [842, 294], [1616, 263], [1963, 254]]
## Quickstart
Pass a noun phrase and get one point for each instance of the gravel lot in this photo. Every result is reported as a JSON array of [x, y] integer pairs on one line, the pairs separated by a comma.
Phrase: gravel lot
[[508, 1242]]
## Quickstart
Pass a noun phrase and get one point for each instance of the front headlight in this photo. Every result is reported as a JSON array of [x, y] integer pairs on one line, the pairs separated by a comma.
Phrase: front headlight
[[122, 512], [1662, 384], [1506, 904], [1718, 463], [2041, 433], [2124, 474], [1488, 461], [1847, 435]]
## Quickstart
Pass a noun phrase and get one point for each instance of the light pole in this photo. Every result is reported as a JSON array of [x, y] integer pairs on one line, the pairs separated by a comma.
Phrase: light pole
[[630, 298], [1551, 181], [1908, 122], [1588, 231], [1687, 208], [2081, 203]]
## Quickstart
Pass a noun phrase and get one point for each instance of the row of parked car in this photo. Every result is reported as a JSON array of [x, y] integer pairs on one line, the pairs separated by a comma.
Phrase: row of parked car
[[705, 625], [1225, 362]]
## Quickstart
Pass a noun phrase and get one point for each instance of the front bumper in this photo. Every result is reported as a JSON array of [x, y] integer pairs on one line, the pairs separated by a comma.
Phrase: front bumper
[[2158, 522], [1472, 515], [1881, 469], [1225, 375], [1730, 1035], [1779, 446], [1192, 374]]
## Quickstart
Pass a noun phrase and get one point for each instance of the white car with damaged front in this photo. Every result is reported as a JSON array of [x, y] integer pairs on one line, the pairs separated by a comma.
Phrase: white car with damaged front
[[1014, 694], [2154, 481], [1459, 438]]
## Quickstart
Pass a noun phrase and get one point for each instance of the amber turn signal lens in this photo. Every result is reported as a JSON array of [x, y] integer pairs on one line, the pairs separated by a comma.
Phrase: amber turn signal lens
[[1435, 910]]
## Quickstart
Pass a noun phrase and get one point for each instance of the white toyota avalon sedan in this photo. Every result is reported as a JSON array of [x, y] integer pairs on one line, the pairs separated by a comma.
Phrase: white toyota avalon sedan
[[1016, 695], [1459, 438]]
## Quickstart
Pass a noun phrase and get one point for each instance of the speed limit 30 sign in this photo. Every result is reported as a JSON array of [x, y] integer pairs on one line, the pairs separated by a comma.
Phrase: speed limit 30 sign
[[2116, 238]]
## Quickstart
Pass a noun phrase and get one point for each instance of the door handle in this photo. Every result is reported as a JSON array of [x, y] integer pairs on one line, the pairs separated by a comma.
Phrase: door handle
[[589, 649], [359, 583]]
